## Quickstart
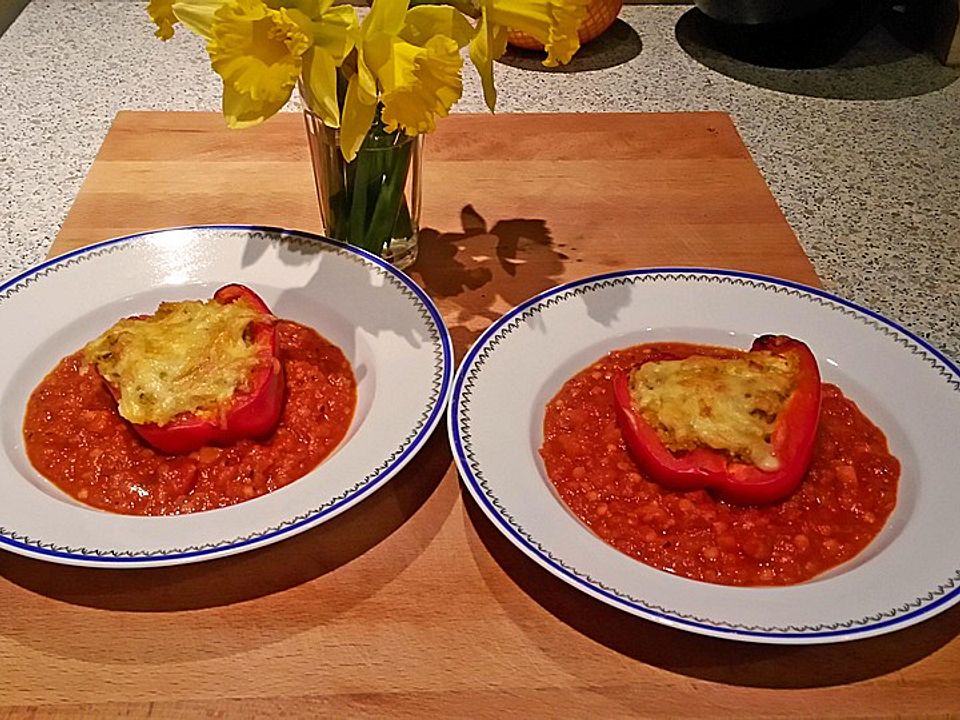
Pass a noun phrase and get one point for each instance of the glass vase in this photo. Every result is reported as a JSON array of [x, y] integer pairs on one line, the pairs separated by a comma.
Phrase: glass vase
[[373, 201]]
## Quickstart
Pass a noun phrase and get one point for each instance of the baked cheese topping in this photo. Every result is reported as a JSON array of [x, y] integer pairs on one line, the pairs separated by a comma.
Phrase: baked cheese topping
[[187, 357], [724, 404]]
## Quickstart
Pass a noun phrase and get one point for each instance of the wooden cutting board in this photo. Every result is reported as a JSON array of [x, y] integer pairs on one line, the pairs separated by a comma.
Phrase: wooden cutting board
[[513, 204], [412, 604]]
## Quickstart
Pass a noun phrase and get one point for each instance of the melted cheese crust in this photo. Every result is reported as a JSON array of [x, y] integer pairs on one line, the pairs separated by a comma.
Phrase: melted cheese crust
[[724, 404], [188, 357]]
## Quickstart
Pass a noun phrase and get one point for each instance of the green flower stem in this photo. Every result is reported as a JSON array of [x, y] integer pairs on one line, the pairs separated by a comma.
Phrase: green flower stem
[[390, 196], [358, 203], [341, 200], [403, 227]]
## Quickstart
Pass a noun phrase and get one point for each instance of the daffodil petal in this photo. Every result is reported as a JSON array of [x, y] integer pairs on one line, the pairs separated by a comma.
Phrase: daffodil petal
[[357, 118], [377, 49], [426, 21], [197, 15], [320, 81], [242, 111], [486, 47], [386, 16], [336, 32], [366, 81]]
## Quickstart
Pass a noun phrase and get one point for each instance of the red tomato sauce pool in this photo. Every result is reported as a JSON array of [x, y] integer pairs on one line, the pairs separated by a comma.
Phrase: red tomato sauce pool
[[848, 493], [76, 438]]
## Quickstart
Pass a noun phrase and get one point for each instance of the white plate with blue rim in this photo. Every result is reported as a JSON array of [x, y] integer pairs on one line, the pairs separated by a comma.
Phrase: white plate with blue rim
[[389, 329], [908, 573]]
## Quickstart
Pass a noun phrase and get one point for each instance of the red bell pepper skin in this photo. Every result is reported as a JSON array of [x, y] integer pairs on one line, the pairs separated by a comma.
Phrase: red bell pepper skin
[[793, 437], [252, 413]]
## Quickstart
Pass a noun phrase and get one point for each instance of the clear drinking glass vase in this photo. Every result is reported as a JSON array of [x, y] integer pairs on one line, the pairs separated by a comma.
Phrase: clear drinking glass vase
[[374, 200]]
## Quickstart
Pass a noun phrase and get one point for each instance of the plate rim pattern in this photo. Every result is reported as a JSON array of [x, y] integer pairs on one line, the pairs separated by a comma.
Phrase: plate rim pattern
[[439, 339], [459, 428]]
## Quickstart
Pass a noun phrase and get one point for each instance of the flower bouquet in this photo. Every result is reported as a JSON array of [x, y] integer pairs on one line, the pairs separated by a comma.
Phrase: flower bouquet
[[370, 88]]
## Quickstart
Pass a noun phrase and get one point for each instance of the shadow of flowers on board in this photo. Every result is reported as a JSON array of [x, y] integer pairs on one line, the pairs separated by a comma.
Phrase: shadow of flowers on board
[[460, 269]]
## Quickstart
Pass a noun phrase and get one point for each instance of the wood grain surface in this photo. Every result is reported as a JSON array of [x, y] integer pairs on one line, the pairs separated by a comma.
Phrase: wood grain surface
[[412, 604]]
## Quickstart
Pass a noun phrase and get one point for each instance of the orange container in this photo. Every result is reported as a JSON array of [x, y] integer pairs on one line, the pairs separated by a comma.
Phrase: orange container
[[600, 16]]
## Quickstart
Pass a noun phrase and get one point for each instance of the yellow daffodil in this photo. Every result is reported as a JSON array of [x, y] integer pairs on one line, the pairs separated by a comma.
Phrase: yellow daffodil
[[552, 22], [420, 84], [410, 62], [260, 48], [258, 51], [421, 81], [161, 12], [397, 72]]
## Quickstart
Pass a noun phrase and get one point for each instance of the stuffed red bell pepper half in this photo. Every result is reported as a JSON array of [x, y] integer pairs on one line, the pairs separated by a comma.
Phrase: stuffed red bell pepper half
[[742, 427], [195, 373]]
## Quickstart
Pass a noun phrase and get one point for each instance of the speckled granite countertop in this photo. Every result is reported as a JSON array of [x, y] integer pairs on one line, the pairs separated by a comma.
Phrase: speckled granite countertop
[[863, 156]]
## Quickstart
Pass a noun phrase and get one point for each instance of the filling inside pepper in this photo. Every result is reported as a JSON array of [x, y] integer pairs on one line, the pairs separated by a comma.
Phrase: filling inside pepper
[[730, 405], [188, 357]]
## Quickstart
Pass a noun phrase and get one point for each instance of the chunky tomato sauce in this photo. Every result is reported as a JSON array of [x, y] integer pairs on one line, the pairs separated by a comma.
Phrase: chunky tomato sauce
[[76, 439], [847, 495]]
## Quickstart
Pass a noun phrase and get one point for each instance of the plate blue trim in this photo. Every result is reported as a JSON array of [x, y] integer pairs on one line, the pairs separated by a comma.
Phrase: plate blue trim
[[375, 483], [573, 578]]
